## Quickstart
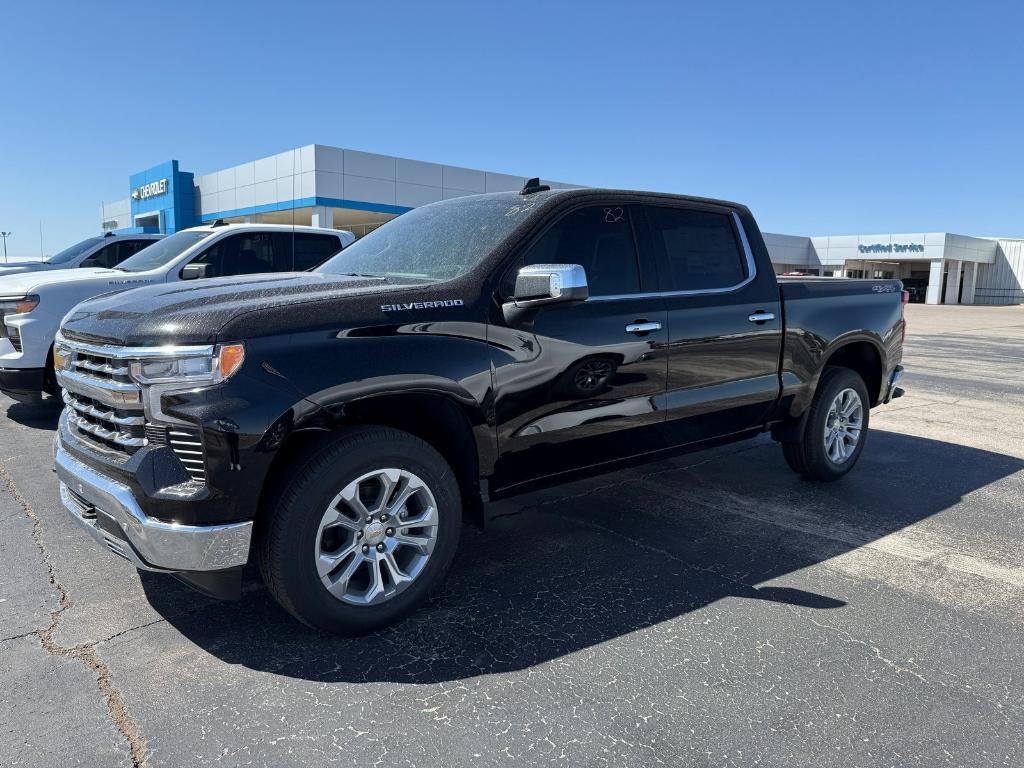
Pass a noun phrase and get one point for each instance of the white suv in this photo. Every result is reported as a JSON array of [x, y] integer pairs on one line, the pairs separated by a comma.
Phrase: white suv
[[107, 250], [33, 304]]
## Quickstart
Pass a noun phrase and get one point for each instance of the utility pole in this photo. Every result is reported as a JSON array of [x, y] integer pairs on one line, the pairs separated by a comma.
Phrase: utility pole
[[5, 235]]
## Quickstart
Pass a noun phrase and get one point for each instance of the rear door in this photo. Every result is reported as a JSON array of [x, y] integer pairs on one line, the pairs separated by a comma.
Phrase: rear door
[[724, 321], [579, 384]]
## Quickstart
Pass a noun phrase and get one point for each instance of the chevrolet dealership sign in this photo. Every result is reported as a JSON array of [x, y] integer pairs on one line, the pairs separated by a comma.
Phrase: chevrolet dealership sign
[[891, 248], [153, 189]]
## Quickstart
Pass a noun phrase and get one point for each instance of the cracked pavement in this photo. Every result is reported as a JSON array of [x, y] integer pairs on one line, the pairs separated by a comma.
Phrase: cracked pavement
[[709, 610]]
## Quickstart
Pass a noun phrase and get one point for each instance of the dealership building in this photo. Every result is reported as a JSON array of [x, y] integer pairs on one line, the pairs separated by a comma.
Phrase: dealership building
[[348, 189]]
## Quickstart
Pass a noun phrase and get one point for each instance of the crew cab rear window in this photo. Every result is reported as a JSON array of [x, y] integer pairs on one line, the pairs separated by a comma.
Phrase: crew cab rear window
[[114, 253], [697, 250], [597, 237], [313, 250]]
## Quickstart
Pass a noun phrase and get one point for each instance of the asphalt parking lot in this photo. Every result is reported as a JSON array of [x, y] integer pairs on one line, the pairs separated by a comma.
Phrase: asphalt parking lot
[[711, 610]]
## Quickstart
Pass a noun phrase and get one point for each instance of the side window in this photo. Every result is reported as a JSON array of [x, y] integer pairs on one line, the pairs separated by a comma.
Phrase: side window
[[313, 250], [698, 248], [104, 257], [128, 248], [600, 239], [247, 253]]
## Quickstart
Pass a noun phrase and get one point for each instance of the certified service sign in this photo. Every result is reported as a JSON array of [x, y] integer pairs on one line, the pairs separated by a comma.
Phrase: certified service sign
[[153, 189]]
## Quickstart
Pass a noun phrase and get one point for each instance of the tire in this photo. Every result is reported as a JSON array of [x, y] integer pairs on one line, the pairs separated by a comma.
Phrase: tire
[[814, 454], [299, 549]]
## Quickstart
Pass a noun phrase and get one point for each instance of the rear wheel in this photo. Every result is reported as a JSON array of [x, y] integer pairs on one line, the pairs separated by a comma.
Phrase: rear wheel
[[834, 430], [363, 532]]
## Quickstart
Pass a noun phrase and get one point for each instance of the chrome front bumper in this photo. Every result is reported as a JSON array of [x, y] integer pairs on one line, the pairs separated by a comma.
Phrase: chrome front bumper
[[112, 516]]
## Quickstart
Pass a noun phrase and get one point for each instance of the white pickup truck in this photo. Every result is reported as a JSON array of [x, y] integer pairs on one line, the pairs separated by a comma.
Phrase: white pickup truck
[[107, 250], [33, 304]]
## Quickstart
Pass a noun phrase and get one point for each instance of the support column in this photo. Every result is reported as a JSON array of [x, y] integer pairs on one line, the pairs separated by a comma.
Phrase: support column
[[953, 282], [970, 281], [323, 217], [934, 282]]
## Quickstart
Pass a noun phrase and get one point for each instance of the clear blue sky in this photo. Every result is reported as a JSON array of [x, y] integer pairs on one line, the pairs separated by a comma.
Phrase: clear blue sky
[[825, 118]]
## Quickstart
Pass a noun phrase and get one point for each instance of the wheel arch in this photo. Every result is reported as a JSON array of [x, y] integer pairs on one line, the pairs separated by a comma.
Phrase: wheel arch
[[864, 356], [456, 430]]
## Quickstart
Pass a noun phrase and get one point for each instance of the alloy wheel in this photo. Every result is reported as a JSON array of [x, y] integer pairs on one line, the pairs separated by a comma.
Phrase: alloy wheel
[[843, 426], [376, 536]]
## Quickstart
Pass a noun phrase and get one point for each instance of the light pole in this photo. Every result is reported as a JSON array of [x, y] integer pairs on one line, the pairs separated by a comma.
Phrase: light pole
[[5, 235]]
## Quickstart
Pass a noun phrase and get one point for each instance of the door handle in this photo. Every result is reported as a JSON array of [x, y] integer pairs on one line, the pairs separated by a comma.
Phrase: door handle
[[760, 317], [641, 327]]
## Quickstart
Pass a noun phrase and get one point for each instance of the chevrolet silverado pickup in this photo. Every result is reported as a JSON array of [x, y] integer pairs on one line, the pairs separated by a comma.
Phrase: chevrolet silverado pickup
[[33, 304], [335, 426]]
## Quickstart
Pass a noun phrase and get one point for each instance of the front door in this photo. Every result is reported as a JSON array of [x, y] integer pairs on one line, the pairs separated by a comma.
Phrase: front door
[[581, 384], [724, 321]]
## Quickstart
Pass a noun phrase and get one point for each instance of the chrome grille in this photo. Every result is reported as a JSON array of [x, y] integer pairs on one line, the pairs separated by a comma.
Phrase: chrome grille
[[16, 342], [98, 367], [104, 405], [105, 408], [118, 429]]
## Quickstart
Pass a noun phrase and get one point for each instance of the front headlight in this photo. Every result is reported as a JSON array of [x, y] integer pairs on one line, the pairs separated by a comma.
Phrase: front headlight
[[199, 370], [17, 305]]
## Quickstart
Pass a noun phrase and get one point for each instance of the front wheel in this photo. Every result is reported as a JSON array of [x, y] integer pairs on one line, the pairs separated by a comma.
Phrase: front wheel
[[834, 429], [363, 532]]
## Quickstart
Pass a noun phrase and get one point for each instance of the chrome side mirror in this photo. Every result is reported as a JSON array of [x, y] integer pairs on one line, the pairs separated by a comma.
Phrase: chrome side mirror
[[539, 284], [193, 271]]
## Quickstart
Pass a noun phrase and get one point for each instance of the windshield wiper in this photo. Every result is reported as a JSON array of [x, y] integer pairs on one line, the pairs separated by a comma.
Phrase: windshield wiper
[[362, 274]]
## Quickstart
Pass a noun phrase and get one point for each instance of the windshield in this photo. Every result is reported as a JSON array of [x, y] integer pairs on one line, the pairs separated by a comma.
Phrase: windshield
[[162, 251], [437, 242], [68, 254]]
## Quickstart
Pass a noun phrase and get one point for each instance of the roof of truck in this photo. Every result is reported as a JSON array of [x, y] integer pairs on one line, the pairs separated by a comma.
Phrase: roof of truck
[[214, 227]]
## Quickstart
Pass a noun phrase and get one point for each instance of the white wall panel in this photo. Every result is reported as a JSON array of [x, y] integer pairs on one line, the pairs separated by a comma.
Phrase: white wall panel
[[245, 197], [306, 184], [265, 169], [245, 174], [207, 184], [266, 191], [369, 165], [226, 179], [503, 182], [329, 185], [413, 195], [306, 159], [463, 178], [226, 200], [369, 190], [287, 189], [285, 163], [331, 159], [418, 172]]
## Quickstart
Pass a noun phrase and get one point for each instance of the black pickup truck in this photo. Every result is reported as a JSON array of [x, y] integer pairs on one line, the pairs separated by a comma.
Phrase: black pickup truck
[[336, 426]]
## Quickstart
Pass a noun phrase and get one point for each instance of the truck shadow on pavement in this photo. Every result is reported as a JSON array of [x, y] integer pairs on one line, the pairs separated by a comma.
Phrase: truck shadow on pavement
[[566, 569], [39, 415]]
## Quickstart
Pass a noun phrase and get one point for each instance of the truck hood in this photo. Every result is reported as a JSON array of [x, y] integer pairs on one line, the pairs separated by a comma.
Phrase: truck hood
[[192, 312], [28, 282], [17, 268]]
